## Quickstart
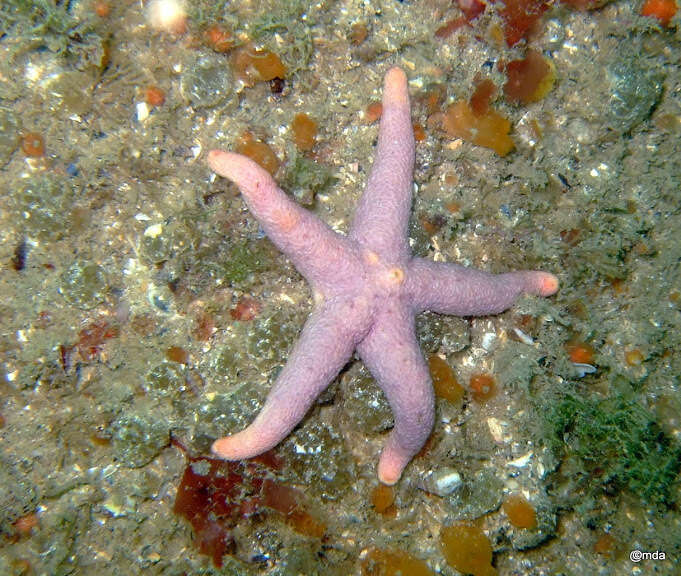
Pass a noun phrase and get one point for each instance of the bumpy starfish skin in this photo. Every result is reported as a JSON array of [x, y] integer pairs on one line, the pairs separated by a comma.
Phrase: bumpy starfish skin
[[367, 290]]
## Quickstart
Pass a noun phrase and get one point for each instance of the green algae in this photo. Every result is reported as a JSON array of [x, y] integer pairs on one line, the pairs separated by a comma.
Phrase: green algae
[[294, 19], [616, 443], [306, 178], [47, 23], [278, 16], [41, 16], [245, 258]]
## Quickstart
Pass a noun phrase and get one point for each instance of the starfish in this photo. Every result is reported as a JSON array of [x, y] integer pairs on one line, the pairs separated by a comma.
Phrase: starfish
[[367, 290]]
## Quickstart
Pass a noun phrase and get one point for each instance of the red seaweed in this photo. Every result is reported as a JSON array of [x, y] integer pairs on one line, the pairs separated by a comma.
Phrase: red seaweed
[[214, 496]]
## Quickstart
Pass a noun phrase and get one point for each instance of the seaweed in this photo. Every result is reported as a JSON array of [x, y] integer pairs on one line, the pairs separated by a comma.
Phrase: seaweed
[[43, 23], [245, 258], [617, 443], [306, 178]]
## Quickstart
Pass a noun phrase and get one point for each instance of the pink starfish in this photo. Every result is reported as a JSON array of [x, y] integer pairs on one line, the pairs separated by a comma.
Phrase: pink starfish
[[367, 291]]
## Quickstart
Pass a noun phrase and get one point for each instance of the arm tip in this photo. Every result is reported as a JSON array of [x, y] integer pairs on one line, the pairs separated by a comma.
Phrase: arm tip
[[395, 87], [218, 160], [389, 470], [549, 284], [248, 175], [222, 448]]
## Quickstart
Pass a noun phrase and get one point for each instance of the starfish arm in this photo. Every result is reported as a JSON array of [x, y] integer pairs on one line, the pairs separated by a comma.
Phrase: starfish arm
[[325, 345], [453, 289], [382, 216], [392, 353], [318, 253]]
